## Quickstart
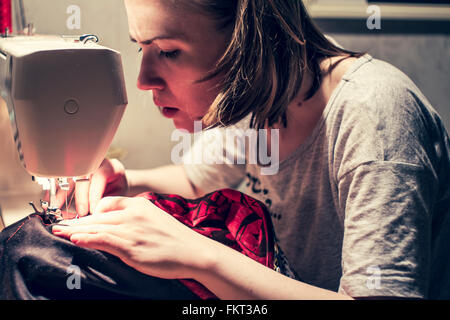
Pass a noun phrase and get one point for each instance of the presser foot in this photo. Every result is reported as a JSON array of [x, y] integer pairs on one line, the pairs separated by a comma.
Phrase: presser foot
[[48, 215]]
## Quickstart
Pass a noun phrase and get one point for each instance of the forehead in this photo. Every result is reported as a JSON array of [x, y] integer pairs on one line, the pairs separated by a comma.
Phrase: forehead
[[153, 18]]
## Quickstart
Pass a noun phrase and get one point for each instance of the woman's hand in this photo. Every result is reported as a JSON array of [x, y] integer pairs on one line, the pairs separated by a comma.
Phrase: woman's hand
[[155, 243], [109, 180], [140, 234]]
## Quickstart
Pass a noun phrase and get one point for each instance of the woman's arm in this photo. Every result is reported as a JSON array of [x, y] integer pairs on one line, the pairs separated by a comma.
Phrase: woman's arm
[[155, 243], [166, 179], [232, 275]]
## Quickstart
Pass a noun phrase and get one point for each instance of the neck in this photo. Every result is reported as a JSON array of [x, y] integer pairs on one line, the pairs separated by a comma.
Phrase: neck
[[303, 115]]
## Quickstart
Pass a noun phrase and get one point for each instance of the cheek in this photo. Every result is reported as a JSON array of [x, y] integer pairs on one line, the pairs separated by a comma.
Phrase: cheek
[[199, 97], [196, 103]]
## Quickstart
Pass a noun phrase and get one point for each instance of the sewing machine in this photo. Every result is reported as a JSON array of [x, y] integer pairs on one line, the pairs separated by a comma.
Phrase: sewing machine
[[66, 97]]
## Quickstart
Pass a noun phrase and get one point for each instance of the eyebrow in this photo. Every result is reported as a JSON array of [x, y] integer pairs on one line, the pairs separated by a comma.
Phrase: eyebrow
[[149, 41]]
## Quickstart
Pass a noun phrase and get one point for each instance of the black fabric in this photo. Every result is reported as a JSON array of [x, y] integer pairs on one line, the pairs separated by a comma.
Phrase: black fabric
[[34, 264]]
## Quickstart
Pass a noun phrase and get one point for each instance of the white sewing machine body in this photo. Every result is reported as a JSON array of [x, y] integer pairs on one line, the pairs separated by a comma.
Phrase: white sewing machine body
[[65, 100]]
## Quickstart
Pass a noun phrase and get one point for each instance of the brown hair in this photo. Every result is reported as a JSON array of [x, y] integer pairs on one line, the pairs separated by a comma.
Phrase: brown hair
[[273, 43]]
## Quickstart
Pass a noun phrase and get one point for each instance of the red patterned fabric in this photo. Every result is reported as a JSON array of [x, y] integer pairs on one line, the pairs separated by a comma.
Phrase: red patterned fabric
[[5, 16], [227, 216]]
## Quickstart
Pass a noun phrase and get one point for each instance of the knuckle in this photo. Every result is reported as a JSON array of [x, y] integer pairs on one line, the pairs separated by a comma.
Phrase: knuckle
[[140, 201], [101, 238], [136, 253]]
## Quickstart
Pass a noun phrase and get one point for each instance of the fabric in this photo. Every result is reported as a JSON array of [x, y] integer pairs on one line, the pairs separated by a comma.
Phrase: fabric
[[362, 206], [35, 264]]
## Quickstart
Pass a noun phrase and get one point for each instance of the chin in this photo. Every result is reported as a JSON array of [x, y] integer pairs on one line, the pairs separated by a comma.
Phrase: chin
[[182, 124]]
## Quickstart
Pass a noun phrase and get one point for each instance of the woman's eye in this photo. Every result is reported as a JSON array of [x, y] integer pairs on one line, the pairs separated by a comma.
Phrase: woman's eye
[[170, 54], [167, 54]]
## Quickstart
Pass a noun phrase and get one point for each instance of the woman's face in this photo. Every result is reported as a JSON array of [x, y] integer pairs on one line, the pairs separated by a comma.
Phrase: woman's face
[[179, 47]]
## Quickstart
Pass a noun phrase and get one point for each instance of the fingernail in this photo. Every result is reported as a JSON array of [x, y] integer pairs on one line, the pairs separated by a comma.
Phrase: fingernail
[[58, 229], [74, 239], [62, 224]]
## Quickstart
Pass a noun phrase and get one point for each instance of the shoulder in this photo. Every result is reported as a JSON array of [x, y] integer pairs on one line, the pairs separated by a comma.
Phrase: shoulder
[[378, 93], [370, 80], [379, 114]]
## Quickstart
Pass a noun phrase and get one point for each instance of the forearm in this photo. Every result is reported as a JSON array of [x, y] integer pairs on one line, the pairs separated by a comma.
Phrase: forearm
[[167, 179], [231, 275]]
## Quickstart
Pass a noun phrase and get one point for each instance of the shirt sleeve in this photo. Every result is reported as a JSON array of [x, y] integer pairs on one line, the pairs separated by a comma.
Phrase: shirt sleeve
[[215, 161], [390, 167], [387, 229]]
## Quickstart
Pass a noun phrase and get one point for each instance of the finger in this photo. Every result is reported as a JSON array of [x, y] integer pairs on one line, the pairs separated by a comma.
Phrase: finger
[[97, 189], [67, 215], [112, 218], [68, 230], [111, 204], [99, 183], [102, 241], [82, 197]]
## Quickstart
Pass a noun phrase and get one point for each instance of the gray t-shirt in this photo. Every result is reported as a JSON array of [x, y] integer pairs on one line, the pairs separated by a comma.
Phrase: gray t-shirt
[[362, 206]]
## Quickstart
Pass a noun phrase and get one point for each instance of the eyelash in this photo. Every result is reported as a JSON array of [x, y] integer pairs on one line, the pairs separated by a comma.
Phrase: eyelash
[[167, 54]]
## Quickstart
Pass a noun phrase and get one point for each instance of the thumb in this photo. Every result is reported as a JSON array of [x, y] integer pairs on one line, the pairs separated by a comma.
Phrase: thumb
[[107, 204], [96, 189]]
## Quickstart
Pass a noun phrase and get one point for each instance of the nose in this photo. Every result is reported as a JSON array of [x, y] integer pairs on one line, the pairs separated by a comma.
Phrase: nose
[[149, 78]]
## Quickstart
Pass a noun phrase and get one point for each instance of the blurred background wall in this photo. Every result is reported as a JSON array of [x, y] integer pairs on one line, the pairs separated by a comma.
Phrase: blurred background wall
[[143, 138], [415, 37]]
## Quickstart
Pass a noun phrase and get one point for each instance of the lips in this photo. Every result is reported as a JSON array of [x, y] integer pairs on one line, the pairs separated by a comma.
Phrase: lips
[[166, 110], [169, 112]]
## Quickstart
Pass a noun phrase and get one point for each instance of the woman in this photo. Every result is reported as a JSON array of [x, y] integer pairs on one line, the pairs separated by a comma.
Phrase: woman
[[360, 200]]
